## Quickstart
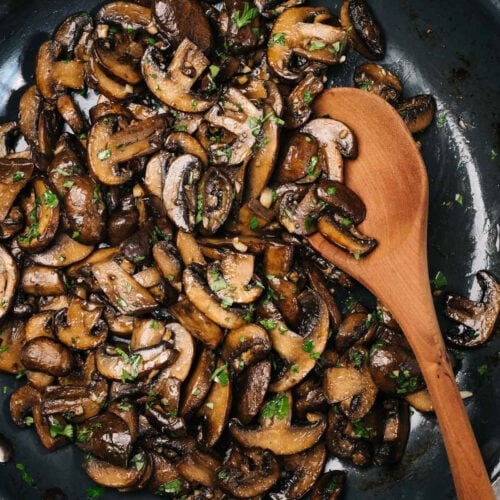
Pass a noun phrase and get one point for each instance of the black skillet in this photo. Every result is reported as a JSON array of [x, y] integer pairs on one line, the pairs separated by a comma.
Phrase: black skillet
[[449, 48]]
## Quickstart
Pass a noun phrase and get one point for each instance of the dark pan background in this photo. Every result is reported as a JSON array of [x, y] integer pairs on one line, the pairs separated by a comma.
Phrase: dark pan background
[[449, 48]]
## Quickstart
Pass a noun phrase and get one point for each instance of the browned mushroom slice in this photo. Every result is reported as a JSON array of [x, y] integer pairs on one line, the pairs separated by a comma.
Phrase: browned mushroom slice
[[189, 249], [395, 433], [253, 386], [12, 224], [263, 161], [245, 346], [299, 350], [379, 81], [393, 365], [363, 30], [78, 403], [183, 143], [113, 476], [278, 259], [252, 244], [356, 329], [168, 261], [244, 29], [29, 111], [197, 323], [304, 469], [22, 401], [53, 432], [477, 319], [180, 191], [299, 101], [299, 161], [108, 437], [122, 289], [233, 279], [199, 467], [298, 208], [40, 325], [107, 86], [214, 414], [71, 114], [155, 172], [116, 364], [80, 326], [202, 298], [75, 36], [420, 400], [302, 31], [42, 217], [417, 112], [49, 127], [46, 355], [198, 384], [9, 278], [276, 432], [217, 194], [146, 333], [248, 473], [344, 234], [330, 486], [351, 384], [107, 147], [165, 476], [42, 280], [342, 200], [64, 252], [53, 75], [184, 345], [241, 117], [128, 15], [14, 175], [116, 54], [173, 85], [177, 20]]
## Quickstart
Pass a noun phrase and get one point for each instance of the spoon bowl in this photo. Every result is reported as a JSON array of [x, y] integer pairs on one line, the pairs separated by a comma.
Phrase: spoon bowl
[[390, 176]]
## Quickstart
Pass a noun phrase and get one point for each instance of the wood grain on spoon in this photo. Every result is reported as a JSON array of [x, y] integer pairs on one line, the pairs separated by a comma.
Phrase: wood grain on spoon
[[390, 176]]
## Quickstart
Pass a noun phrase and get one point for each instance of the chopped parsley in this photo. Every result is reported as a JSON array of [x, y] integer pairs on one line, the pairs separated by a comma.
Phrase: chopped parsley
[[441, 119], [331, 486], [308, 97], [104, 154], [133, 360], [459, 199], [277, 39], [405, 383], [294, 368], [220, 375], [50, 199], [254, 223], [4, 348], [57, 429], [95, 492], [331, 190], [482, 370], [214, 70], [242, 19], [360, 430], [75, 234], [277, 407], [313, 162], [84, 435], [268, 324], [31, 234], [173, 487], [26, 476], [493, 154], [17, 176], [315, 45], [439, 281], [68, 184], [222, 474]]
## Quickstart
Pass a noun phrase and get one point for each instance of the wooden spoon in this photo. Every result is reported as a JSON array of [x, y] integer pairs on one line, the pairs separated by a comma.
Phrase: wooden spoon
[[390, 177]]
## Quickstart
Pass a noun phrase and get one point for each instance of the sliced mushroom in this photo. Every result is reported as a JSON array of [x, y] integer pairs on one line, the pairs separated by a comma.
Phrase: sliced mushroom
[[177, 20], [330, 486], [46, 355], [342, 200], [233, 280], [248, 473], [420, 400], [279, 435], [198, 384], [299, 101], [41, 280], [183, 143], [304, 469], [214, 414], [71, 114], [351, 384], [173, 86], [355, 329], [164, 473], [108, 146], [245, 346], [43, 218], [43, 426], [116, 364], [299, 161], [123, 290], [199, 467], [63, 252], [418, 112], [252, 391], [241, 117], [108, 437], [113, 476], [184, 345], [302, 31], [363, 30], [12, 224], [189, 249], [180, 191], [477, 319], [379, 81], [128, 15], [155, 172], [345, 235], [9, 278], [199, 325], [14, 175], [22, 401], [52, 75], [106, 85], [217, 194], [81, 326], [75, 36], [201, 297]]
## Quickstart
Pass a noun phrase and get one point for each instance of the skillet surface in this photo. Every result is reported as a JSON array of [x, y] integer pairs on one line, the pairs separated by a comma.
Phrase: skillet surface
[[447, 48]]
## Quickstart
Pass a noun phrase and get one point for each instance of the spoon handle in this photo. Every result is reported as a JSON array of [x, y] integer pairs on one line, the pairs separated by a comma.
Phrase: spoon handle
[[421, 327]]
